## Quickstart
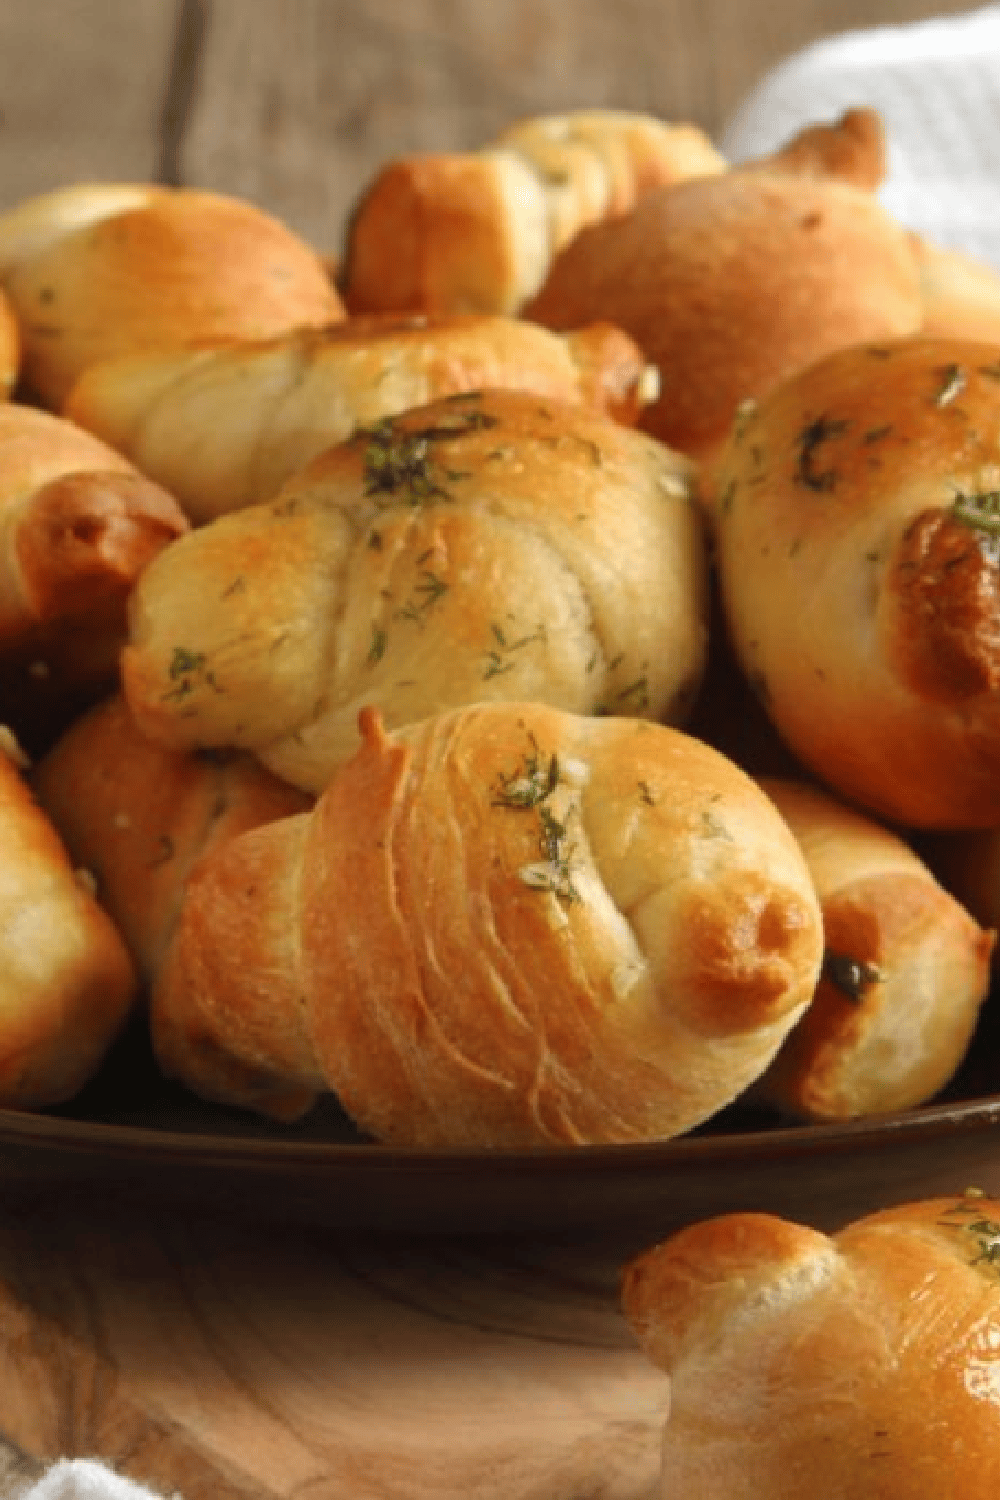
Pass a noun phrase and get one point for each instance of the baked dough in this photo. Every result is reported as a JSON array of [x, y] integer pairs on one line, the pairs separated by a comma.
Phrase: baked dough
[[10, 348], [226, 425], [476, 232], [855, 516], [491, 546], [504, 926], [67, 984], [729, 283], [77, 525], [97, 270], [138, 816], [801, 1364], [905, 973]]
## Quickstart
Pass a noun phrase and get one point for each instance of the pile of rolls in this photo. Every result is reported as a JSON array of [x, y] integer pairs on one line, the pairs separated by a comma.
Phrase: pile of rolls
[[540, 686]]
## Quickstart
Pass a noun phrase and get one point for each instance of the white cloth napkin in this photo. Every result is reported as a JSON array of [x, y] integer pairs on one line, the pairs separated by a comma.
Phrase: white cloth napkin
[[85, 1479], [936, 85]]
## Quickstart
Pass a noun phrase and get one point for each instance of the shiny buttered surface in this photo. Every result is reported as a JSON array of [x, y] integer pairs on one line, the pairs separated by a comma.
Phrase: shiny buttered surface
[[227, 423], [492, 546], [372, 593], [504, 926], [806, 1365], [856, 519]]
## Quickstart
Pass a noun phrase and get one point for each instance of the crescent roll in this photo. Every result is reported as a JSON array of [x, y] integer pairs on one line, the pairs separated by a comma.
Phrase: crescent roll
[[905, 973], [67, 984], [225, 426], [10, 348], [490, 546], [97, 271], [960, 294], [504, 926], [806, 1364], [77, 526], [138, 815], [476, 232], [732, 282], [866, 492]]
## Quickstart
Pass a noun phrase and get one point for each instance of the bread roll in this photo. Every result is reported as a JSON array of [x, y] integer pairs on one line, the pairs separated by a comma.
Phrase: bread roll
[[225, 426], [504, 926], [730, 283], [77, 525], [492, 546], [960, 294], [139, 267], [66, 981], [138, 816], [905, 973], [852, 149], [865, 492], [10, 348], [477, 232], [801, 1364]]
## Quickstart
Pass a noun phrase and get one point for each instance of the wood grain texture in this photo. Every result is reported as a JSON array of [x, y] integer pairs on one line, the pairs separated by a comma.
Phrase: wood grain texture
[[82, 91], [299, 103], [221, 1364]]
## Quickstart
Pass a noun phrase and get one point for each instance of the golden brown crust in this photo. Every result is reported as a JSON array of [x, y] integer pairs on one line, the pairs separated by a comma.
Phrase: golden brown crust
[[66, 981], [256, 1053], [89, 538], [494, 546], [226, 425], [806, 1364], [960, 294], [506, 926], [10, 348], [851, 149], [865, 492], [947, 609], [176, 266], [447, 234], [139, 816], [477, 232], [77, 526], [31, 226], [730, 283], [905, 973]]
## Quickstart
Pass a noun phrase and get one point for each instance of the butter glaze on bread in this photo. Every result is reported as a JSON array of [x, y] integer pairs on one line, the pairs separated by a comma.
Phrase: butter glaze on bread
[[66, 981], [851, 149], [77, 525], [731, 283], [148, 266], [503, 926], [226, 425], [801, 1364], [855, 524], [138, 816], [906, 970], [960, 294], [10, 348], [476, 232], [492, 546]]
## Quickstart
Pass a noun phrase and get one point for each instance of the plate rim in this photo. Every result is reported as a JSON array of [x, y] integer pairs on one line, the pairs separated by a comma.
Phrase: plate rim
[[122, 1141]]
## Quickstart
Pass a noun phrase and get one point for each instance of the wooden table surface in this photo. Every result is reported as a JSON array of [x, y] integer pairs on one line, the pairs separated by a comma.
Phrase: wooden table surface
[[215, 1359]]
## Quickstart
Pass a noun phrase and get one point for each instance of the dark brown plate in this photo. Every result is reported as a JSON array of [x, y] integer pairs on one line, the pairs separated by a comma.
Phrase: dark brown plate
[[132, 1137]]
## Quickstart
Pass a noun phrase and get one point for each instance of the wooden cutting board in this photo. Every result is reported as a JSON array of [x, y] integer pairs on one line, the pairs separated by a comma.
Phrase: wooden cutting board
[[232, 1362]]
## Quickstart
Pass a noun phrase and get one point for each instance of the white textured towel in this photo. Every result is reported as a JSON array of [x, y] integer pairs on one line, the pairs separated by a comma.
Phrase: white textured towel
[[84, 1479], [936, 85]]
